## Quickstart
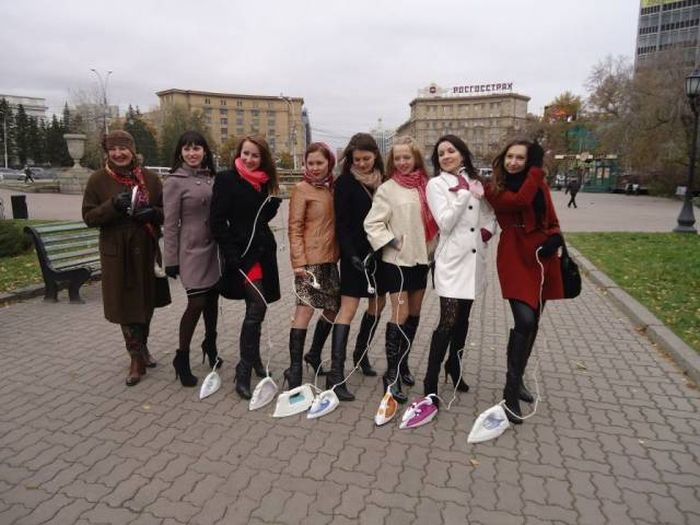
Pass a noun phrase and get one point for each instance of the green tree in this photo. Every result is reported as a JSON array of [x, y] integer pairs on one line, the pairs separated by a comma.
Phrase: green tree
[[22, 139], [176, 119], [55, 145], [6, 127], [143, 136], [35, 140]]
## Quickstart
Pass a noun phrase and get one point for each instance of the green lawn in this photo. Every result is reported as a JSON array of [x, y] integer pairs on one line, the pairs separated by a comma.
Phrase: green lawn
[[660, 270], [20, 270]]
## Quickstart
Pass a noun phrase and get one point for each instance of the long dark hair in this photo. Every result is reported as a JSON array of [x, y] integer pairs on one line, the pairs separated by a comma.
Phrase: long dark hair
[[498, 177], [193, 138], [361, 142], [266, 163], [463, 149]]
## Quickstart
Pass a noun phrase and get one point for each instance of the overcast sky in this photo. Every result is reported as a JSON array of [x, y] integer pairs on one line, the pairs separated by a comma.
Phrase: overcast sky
[[353, 62]]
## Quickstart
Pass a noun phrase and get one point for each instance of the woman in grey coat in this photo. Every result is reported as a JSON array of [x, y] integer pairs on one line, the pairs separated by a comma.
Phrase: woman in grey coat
[[190, 249]]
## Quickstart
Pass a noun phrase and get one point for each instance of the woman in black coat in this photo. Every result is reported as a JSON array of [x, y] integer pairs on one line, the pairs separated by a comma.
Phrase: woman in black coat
[[362, 173], [243, 203]]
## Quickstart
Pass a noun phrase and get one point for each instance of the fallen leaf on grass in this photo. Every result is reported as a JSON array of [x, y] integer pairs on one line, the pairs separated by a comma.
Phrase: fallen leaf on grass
[[474, 462]]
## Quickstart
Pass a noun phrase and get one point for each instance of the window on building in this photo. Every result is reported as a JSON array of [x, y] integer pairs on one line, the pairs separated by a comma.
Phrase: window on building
[[255, 112], [239, 103], [207, 101], [223, 112], [239, 121], [223, 102], [223, 121], [224, 131]]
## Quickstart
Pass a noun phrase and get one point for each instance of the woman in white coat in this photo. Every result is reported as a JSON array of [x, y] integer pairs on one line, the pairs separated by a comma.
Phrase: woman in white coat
[[466, 223]]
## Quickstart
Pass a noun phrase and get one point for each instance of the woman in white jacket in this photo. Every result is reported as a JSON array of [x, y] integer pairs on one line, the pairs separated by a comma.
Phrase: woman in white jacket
[[466, 223]]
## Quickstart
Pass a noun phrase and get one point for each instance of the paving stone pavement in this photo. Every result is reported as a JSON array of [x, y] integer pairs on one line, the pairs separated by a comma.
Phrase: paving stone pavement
[[614, 439]]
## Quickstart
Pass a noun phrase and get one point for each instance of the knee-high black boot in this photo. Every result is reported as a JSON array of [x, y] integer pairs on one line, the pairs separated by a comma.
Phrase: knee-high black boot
[[293, 374], [409, 327], [523, 392], [209, 349], [438, 349], [339, 344], [517, 348], [364, 337], [249, 344], [454, 359], [313, 356], [393, 349]]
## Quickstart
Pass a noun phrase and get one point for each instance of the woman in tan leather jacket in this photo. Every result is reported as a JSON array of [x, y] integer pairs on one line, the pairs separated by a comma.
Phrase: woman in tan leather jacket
[[314, 254]]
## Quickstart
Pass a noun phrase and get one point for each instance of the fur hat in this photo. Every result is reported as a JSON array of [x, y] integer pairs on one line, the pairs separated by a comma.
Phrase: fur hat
[[119, 138]]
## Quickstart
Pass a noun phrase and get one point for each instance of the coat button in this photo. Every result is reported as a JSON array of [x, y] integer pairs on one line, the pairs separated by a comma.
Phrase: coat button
[[473, 250], [470, 207], [471, 229], [198, 183]]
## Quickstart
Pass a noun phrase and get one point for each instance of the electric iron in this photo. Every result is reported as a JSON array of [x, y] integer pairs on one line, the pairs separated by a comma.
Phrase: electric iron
[[420, 412], [265, 391], [387, 409], [211, 383], [294, 401], [490, 424], [324, 403]]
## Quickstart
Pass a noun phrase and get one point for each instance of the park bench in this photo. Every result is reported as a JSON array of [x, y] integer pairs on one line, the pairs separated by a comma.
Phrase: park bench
[[67, 252]]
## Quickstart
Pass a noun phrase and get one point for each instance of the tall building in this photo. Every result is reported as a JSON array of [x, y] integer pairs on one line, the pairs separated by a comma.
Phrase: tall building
[[33, 106], [384, 138], [279, 119], [665, 27], [483, 115]]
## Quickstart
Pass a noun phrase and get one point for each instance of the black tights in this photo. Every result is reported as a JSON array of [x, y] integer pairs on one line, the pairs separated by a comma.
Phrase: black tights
[[203, 303], [526, 318], [454, 319]]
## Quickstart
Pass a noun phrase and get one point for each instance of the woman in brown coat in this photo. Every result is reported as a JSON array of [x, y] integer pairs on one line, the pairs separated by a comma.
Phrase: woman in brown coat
[[314, 254], [190, 250], [129, 225]]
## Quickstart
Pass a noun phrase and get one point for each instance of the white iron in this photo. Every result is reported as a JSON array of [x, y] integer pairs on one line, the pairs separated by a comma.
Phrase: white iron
[[490, 424], [324, 403], [387, 409], [265, 391], [211, 383], [294, 401]]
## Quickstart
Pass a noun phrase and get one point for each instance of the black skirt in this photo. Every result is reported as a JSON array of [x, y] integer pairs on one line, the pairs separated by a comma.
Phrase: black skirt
[[354, 283], [414, 277]]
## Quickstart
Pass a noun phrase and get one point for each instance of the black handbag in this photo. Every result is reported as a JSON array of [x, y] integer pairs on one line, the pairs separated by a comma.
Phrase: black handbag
[[570, 275]]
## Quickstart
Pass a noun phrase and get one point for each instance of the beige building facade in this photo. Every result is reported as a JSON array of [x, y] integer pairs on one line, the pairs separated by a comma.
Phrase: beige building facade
[[278, 119], [483, 115]]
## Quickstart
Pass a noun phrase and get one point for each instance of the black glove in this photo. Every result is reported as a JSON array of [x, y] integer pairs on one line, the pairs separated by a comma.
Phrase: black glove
[[146, 214], [535, 155], [122, 201], [172, 271], [550, 246], [357, 263]]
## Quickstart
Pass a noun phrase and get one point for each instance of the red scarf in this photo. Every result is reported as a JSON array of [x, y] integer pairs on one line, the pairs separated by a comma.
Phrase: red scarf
[[418, 180], [256, 178]]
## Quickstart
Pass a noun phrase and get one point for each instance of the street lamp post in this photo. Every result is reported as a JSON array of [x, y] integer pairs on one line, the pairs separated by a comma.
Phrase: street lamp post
[[103, 89], [292, 129], [686, 219]]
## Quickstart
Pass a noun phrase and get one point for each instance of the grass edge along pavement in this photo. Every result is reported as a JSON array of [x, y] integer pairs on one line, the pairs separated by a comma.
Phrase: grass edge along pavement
[[668, 343]]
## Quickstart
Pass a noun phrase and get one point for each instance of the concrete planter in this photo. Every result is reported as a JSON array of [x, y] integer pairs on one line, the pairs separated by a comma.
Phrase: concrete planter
[[74, 179]]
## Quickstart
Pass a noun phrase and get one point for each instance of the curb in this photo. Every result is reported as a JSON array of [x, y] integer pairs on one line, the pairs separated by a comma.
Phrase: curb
[[684, 356], [28, 292]]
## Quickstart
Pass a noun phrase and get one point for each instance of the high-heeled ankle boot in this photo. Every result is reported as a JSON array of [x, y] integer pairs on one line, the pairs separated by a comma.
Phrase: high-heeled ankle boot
[[250, 340], [517, 347], [409, 328], [438, 348], [293, 374], [181, 363], [364, 337], [210, 351], [335, 377], [452, 368], [137, 368], [393, 345], [313, 356]]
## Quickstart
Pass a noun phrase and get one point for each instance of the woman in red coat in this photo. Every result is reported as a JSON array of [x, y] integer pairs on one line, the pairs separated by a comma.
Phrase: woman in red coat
[[530, 237]]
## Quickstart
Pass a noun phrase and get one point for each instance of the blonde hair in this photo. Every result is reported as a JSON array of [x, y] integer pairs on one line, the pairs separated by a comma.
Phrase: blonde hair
[[416, 150]]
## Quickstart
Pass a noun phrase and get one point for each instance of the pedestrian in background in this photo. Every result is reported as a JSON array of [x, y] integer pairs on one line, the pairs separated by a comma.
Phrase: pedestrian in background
[[124, 201], [528, 272], [313, 250], [466, 223], [572, 188], [28, 176], [244, 201], [190, 250], [360, 271], [401, 226]]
